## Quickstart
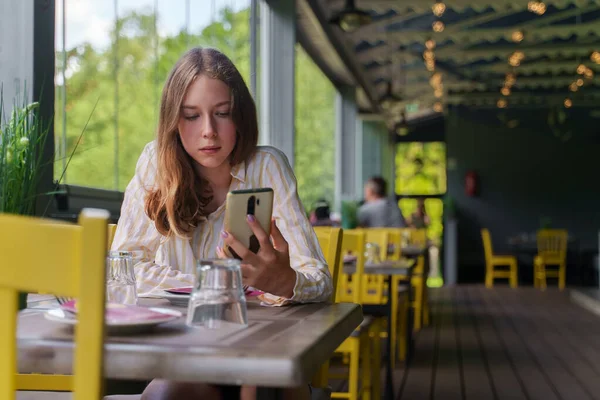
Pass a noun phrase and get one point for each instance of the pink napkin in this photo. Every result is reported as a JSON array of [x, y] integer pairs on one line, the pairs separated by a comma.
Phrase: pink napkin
[[181, 290]]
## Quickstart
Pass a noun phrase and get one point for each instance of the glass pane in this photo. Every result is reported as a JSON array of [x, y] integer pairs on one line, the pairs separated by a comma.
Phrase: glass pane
[[421, 168], [434, 210], [136, 98], [315, 132], [126, 76], [84, 80]]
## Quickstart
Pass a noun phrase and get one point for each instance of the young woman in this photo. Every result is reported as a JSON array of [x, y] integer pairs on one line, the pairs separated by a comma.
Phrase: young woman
[[174, 206]]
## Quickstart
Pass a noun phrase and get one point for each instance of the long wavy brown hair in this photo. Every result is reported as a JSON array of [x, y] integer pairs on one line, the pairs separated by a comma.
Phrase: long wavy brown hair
[[177, 203]]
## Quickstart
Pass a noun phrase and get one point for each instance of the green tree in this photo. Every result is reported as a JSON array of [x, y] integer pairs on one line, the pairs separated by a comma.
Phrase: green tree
[[124, 81]]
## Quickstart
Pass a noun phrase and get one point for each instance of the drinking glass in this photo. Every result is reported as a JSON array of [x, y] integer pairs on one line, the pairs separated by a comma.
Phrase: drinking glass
[[372, 253], [217, 298], [120, 278]]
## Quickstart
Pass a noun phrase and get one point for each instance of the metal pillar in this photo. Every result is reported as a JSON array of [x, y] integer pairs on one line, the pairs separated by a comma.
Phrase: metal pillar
[[277, 50], [347, 162]]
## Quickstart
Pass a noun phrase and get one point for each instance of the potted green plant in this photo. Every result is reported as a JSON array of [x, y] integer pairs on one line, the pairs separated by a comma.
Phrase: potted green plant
[[22, 139], [349, 214]]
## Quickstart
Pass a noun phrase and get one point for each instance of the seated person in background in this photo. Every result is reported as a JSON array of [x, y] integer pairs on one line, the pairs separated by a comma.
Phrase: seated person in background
[[379, 211], [419, 219], [174, 206], [321, 215]]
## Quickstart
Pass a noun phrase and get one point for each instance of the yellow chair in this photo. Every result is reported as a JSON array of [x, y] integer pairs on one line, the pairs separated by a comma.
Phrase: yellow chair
[[395, 236], [552, 250], [362, 348], [330, 241], [374, 292], [492, 261], [420, 303], [64, 259], [49, 382]]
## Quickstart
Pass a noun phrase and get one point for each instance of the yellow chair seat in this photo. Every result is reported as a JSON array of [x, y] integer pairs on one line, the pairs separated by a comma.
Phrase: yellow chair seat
[[500, 260]]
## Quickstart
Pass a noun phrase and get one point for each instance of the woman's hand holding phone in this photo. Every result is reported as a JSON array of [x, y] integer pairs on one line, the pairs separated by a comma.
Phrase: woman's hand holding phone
[[269, 269]]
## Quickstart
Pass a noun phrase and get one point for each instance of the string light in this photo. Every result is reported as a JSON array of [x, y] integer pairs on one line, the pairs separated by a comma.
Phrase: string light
[[436, 79], [438, 93], [579, 82], [568, 103], [430, 44], [501, 103], [517, 36], [510, 80], [438, 9], [537, 7], [573, 87], [516, 58], [430, 65], [595, 57], [438, 26], [438, 107], [581, 69], [505, 91]]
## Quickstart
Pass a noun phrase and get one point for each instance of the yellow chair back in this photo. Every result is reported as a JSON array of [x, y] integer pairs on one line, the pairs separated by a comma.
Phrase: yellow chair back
[[66, 260], [552, 243], [373, 286], [418, 237], [330, 240], [350, 287], [487, 246]]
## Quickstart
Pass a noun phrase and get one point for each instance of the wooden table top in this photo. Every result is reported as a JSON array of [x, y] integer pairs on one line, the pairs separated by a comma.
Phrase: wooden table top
[[280, 347]]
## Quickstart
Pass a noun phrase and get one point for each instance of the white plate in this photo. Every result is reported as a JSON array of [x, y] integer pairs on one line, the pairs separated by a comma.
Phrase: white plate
[[119, 328], [176, 300]]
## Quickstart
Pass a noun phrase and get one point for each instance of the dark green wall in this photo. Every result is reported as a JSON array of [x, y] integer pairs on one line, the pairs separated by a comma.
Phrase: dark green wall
[[525, 173]]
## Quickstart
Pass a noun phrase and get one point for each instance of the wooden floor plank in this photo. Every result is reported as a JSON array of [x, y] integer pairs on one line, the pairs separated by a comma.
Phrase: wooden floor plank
[[535, 383], [476, 374], [550, 331], [582, 342], [417, 381], [503, 343], [448, 372], [506, 382], [566, 385]]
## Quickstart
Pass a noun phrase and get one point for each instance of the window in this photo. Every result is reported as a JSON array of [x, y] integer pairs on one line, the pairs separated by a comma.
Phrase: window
[[421, 173], [315, 132], [421, 168], [112, 60]]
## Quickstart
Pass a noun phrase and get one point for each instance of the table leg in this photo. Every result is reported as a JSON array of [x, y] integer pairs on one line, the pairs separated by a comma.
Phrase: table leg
[[389, 380]]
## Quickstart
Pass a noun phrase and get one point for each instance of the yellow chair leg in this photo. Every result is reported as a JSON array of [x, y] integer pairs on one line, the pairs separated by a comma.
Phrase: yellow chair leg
[[513, 276], [562, 276], [426, 306], [376, 363], [543, 277], [354, 365], [417, 305], [394, 322], [365, 362], [401, 334], [321, 380], [489, 279]]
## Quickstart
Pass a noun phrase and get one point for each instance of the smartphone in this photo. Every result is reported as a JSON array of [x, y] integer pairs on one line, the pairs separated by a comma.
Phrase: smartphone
[[239, 204]]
